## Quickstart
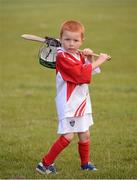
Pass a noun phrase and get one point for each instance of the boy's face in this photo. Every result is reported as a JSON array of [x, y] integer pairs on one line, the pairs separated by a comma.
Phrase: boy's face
[[71, 41]]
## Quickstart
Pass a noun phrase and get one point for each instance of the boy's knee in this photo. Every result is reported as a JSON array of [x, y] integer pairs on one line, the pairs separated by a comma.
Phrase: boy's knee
[[69, 136], [84, 136]]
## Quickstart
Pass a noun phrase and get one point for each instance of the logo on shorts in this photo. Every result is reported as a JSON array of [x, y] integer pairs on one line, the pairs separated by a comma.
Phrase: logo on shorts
[[72, 123]]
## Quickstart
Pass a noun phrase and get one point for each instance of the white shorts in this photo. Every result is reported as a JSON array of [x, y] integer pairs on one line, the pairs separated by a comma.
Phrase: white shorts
[[75, 124]]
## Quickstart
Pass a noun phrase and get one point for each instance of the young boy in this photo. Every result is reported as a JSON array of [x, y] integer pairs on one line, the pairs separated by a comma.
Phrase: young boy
[[73, 74]]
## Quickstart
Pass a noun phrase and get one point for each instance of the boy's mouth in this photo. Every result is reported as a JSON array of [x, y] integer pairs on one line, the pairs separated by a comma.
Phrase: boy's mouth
[[71, 49]]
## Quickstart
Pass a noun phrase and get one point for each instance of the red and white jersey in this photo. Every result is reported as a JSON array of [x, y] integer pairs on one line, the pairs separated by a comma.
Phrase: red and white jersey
[[72, 78]]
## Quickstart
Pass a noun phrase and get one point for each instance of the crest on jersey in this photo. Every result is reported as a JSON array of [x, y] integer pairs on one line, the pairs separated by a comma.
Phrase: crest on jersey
[[72, 123]]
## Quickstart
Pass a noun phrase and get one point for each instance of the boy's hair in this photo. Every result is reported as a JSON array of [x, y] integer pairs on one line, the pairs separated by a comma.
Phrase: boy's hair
[[72, 26]]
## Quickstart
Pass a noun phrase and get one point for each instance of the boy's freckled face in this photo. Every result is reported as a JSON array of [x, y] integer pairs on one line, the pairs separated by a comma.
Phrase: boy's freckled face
[[71, 41]]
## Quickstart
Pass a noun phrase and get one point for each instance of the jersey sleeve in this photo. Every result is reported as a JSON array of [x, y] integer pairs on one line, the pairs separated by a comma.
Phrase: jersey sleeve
[[73, 71]]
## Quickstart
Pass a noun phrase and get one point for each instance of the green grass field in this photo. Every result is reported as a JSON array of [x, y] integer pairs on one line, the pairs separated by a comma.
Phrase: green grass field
[[28, 120]]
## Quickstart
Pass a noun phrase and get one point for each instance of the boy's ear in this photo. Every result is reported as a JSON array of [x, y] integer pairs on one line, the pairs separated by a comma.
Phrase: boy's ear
[[59, 39]]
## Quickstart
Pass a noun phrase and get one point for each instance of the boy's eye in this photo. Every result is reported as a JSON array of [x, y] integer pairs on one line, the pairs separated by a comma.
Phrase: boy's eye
[[67, 39]]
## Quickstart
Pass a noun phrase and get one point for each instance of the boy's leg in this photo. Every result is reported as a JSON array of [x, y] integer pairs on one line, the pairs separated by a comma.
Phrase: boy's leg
[[61, 143], [84, 147], [84, 151]]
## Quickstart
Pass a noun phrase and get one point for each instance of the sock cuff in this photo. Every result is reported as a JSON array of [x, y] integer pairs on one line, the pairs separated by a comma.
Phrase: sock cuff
[[64, 140], [84, 142]]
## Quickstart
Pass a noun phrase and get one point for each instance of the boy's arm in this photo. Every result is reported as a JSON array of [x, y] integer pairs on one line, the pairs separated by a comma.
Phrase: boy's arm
[[96, 70], [100, 60], [73, 71]]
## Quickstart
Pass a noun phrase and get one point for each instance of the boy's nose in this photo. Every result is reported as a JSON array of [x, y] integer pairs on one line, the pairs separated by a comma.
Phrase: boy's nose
[[71, 43]]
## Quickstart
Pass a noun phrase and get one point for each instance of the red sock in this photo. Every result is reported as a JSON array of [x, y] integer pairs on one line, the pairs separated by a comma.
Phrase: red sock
[[84, 152], [56, 148]]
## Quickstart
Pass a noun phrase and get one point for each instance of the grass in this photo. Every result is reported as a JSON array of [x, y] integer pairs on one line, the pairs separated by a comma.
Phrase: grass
[[28, 119]]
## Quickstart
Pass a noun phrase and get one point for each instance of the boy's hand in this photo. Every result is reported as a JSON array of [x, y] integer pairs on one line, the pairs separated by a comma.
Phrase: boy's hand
[[100, 60], [88, 53], [104, 57]]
